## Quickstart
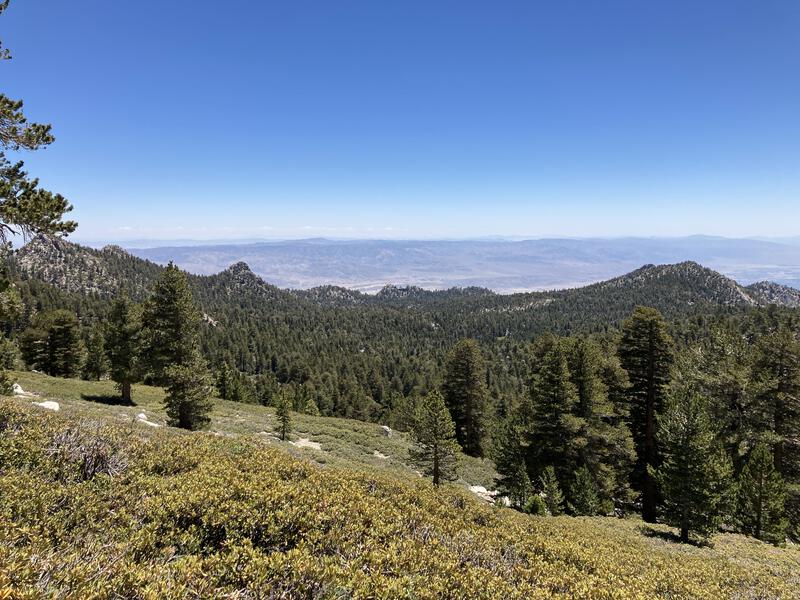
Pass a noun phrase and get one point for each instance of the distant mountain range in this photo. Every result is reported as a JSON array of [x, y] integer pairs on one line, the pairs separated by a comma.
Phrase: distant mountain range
[[109, 271], [500, 265]]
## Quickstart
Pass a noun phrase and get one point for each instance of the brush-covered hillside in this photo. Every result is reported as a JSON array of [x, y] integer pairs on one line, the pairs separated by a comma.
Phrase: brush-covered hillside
[[100, 504]]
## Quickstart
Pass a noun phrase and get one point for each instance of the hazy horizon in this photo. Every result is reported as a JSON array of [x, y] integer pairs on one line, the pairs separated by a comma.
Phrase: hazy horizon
[[213, 241]]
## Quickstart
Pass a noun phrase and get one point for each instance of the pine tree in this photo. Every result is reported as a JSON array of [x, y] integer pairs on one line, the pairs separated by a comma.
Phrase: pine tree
[[171, 325], [549, 427], [720, 368], [188, 398], [434, 438], [95, 366], [33, 348], [777, 404], [122, 344], [602, 441], [645, 351], [64, 344], [695, 472], [553, 498], [509, 457], [585, 500], [760, 498], [465, 395], [10, 311], [283, 412]]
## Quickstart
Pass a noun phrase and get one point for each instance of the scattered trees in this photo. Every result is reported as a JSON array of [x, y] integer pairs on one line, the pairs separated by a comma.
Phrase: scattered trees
[[434, 437]]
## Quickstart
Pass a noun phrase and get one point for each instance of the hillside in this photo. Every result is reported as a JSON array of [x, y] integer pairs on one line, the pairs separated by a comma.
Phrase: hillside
[[109, 507], [324, 440]]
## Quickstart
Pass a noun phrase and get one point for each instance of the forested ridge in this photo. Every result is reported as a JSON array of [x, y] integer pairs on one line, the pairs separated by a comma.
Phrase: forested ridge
[[353, 352]]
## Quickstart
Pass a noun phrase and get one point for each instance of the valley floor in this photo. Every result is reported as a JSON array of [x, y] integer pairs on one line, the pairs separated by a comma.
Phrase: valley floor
[[98, 503]]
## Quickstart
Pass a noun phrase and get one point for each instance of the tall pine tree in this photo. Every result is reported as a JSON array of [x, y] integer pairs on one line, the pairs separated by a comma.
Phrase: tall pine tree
[[465, 395], [435, 447], [695, 472], [513, 480], [188, 394], [122, 345], [171, 350], [283, 413], [95, 366], [777, 403], [171, 325], [550, 425], [645, 351], [760, 498]]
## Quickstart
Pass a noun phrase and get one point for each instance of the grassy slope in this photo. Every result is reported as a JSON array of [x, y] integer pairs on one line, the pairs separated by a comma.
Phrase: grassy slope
[[199, 515], [343, 442]]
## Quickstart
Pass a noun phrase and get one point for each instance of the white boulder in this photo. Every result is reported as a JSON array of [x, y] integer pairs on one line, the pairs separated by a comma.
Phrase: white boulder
[[18, 391], [306, 443], [142, 418], [48, 404], [387, 431]]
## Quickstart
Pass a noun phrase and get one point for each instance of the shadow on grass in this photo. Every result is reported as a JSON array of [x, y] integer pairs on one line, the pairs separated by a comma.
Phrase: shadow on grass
[[111, 399], [669, 536]]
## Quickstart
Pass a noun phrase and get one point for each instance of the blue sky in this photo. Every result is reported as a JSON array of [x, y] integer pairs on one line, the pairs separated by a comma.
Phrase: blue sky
[[410, 119]]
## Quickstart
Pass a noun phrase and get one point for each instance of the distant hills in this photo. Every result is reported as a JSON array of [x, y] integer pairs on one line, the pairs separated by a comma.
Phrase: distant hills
[[500, 265], [671, 287]]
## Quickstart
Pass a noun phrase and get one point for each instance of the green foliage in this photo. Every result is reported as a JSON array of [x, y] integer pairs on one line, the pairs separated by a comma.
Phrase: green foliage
[[188, 398], [584, 498], [54, 345], [509, 456], [106, 511], [465, 395], [761, 498], [95, 367], [234, 385], [434, 437], [777, 404], [283, 414], [551, 492], [550, 428], [171, 325], [646, 353], [695, 473], [535, 506], [122, 344]]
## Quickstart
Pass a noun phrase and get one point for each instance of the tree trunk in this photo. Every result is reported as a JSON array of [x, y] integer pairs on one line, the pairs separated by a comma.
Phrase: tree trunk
[[126, 392], [685, 534], [649, 499], [435, 467]]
